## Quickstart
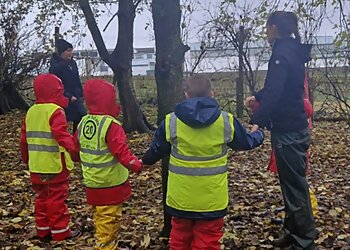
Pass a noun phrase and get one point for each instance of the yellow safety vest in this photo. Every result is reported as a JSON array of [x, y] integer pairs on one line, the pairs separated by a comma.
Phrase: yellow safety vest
[[44, 151], [198, 164], [100, 168]]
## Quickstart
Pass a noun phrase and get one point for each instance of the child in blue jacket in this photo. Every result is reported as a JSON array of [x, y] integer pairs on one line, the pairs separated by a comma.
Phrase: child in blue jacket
[[196, 137]]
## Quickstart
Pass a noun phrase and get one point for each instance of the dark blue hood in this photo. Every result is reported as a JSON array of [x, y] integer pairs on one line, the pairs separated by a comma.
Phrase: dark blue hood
[[198, 112]]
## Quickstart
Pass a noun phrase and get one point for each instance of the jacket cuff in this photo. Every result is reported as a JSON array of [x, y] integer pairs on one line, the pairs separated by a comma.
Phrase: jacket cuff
[[150, 158]]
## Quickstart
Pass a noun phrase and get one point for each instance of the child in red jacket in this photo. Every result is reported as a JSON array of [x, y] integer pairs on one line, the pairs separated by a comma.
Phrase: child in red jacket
[[106, 161], [45, 143]]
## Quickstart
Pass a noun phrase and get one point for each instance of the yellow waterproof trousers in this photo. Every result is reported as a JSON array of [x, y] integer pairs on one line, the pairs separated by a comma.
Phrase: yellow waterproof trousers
[[107, 221], [314, 204]]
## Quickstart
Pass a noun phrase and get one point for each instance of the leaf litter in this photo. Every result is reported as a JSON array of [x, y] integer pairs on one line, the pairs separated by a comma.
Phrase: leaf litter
[[254, 196]]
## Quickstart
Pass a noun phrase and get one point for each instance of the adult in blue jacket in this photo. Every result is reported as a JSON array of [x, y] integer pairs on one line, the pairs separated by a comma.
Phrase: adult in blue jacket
[[65, 68], [282, 108]]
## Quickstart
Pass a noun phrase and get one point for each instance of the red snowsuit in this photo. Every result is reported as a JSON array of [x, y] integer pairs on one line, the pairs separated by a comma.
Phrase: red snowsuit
[[51, 211], [100, 97]]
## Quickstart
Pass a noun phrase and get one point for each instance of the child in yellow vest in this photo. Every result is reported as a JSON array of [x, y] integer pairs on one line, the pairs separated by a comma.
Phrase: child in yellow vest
[[45, 143], [106, 161], [196, 137]]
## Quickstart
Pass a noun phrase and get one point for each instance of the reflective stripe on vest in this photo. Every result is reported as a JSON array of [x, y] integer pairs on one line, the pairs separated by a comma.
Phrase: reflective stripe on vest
[[98, 151], [99, 165], [197, 171], [173, 135], [39, 134], [44, 152], [100, 168], [198, 162], [43, 148]]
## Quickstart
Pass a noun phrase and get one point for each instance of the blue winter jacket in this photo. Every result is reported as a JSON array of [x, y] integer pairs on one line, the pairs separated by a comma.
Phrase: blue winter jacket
[[282, 98], [68, 72]]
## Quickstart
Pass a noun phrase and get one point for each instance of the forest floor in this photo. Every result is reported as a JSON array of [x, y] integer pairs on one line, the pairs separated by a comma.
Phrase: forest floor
[[254, 196]]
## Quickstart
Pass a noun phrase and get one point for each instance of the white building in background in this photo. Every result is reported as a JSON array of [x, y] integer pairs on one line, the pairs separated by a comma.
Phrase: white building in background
[[226, 59], [144, 61], [90, 63], [213, 60]]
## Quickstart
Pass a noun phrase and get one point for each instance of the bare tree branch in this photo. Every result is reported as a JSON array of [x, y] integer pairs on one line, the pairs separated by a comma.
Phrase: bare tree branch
[[95, 31], [110, 20]]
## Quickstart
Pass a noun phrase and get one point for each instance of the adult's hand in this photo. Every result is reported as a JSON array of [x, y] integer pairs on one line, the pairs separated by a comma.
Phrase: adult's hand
[[249, 101]]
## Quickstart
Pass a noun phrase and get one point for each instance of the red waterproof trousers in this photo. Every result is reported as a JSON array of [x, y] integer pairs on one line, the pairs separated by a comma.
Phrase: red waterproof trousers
[[51, 211], [189, 234]]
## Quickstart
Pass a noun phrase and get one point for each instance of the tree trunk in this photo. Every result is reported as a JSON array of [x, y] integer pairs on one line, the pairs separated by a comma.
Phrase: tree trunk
[[170, 53], [166, 217], [10, 99], [120, 61], [133, 118], [239, 82]]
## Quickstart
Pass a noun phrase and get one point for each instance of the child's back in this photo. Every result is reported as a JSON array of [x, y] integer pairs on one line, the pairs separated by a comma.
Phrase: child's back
[[106, 160], [45, 147], [197, 136]]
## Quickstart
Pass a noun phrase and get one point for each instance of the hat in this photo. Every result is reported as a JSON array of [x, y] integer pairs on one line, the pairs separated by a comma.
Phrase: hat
[[100, 97], [48, 88], [62, 45]]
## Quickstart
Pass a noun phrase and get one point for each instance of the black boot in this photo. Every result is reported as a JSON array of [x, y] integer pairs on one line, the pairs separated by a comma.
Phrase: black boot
[[284, 241], [45, 239], [74, 234], [277, 221], [312, 246]]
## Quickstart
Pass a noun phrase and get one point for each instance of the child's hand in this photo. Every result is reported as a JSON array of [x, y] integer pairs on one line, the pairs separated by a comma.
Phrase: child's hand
[[254, 128], [135, 165]]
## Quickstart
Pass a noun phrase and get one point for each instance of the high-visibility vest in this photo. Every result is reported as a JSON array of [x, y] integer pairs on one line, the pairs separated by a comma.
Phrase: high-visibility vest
[[43, 150], [198, 164], [100, 168]]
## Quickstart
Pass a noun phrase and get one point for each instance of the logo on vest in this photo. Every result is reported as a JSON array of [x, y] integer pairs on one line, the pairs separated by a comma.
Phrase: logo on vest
[[89, 129]]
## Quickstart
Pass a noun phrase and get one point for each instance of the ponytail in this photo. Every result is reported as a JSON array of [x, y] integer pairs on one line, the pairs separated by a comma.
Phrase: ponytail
[[286, 23]]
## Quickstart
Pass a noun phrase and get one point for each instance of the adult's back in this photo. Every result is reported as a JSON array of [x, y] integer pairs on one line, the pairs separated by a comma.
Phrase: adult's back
[[284, 85]]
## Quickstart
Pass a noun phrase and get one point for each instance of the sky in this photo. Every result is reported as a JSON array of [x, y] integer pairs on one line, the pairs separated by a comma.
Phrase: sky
[[143, 37]]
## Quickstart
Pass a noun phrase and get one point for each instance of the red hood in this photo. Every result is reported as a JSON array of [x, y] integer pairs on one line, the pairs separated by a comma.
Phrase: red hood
[[48, 88], [100, 98]]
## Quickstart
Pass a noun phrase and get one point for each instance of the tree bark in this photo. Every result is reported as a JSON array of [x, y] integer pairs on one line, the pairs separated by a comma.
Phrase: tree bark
[[133, 118], [239, 82], [10, 99], [120, 61], [170, 53]]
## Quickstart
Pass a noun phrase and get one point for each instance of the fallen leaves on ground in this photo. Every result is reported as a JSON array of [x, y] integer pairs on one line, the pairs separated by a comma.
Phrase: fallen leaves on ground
[[254, 196]]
